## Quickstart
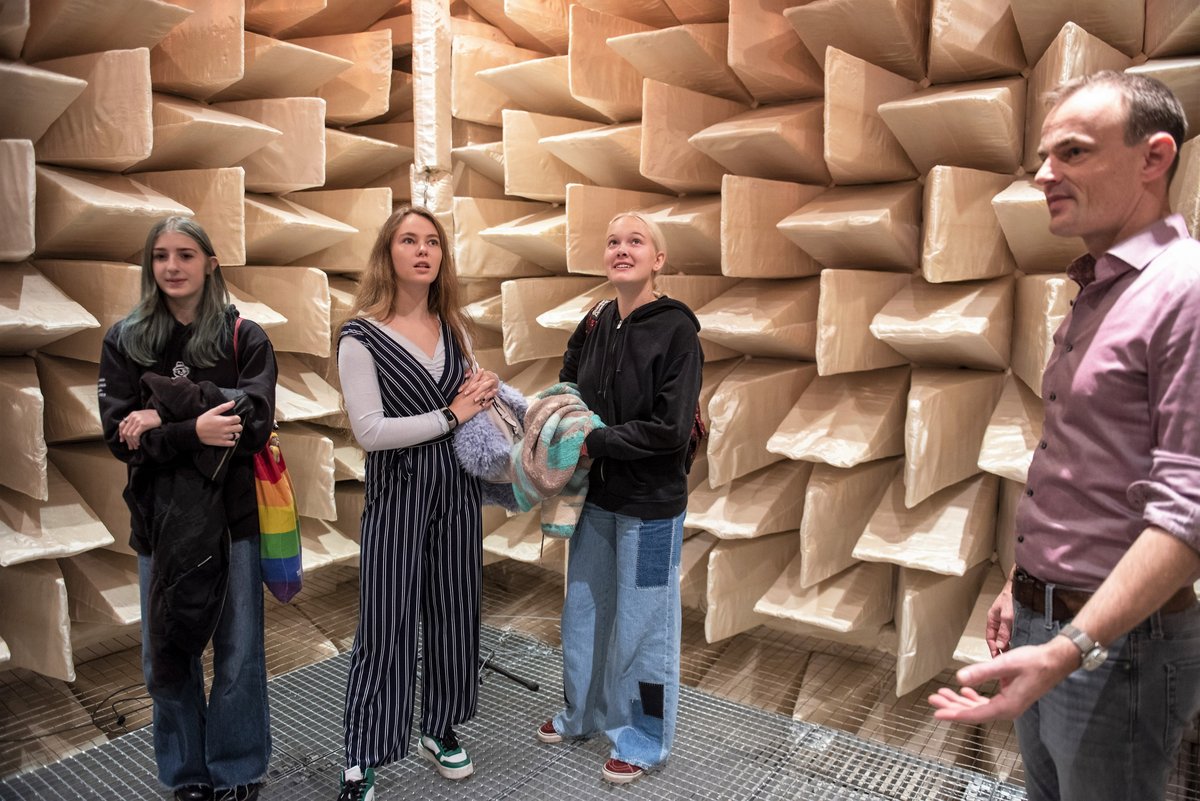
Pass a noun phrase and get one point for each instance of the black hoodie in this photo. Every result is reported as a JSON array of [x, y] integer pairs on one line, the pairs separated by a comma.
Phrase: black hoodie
[[642, 376]]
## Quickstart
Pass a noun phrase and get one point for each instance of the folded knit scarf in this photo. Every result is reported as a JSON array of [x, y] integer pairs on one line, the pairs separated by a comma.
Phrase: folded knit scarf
[[547, 465]]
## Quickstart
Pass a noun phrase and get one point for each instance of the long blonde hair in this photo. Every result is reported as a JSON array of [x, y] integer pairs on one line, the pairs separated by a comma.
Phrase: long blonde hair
[[376, 295]]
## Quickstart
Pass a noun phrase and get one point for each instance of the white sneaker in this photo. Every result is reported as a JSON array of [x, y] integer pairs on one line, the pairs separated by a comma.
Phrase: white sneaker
[[446, 754]]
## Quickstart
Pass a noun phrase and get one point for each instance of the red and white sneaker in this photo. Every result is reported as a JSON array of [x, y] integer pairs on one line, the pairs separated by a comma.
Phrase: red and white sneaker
[[617, 771], [547, 734]]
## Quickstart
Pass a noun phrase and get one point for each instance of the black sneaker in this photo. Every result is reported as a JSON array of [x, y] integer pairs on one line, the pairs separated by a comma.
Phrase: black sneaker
[[243, 792], [357, 789], [194, 792]]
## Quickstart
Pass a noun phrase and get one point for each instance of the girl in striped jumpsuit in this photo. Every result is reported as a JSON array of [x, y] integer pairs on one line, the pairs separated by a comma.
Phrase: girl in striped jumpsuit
[[402, 359]]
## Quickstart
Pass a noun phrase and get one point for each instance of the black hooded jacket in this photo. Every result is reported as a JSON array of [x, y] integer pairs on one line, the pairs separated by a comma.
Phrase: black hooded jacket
[[642, 376]]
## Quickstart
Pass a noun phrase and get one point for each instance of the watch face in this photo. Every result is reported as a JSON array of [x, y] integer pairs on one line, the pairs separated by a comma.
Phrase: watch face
[[1094, 658]]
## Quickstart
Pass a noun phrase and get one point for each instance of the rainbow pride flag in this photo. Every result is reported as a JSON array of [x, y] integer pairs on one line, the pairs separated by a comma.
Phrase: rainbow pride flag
[[278, 523]]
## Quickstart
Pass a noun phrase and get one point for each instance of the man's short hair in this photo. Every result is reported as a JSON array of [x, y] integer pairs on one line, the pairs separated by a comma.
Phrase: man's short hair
[[1151, 106]]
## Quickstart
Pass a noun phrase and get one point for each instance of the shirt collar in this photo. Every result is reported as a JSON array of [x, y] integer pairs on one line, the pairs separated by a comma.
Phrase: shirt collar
[[1135, 252]]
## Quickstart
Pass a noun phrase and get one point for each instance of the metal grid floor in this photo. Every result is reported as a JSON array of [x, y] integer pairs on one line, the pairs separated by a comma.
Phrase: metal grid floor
[[724, 751]]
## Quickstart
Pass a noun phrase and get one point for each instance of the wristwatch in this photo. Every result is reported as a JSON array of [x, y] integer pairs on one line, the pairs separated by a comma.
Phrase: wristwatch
[[451, 417], [1093, 653]]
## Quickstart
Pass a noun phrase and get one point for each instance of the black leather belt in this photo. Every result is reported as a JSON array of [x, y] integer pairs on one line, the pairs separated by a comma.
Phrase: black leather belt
[[1030, 592]]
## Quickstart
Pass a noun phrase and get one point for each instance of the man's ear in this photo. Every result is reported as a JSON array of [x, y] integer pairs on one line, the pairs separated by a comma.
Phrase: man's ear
[[1160, 155]]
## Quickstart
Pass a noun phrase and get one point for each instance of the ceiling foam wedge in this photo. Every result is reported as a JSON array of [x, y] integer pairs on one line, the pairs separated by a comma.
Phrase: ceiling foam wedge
[[1013, 432], [215, 197], [472, 98], [1182, 77], [24, 466], [745, 410], [14, 24], [699, 10], [59, 28], [62, 525], [963, 240], [364, 210], [36, 626], [783, 142], [109, 126], [765, 502], [540, 238], [279, 231], [846, 420], [100, 480], [972, 648], [759, 317], [849, 300], [692, 228], [271, 17], [541, 85], [859, 598], [977, 125], [955, 325], [931, 613], [493, 12], [401, 30], [35, 99], [655, 13], [671, 115], [96, 215], [302, 392], [353, 160], [17, 202], [530, 169], [1039, 307], [189, 135], [295, 160], [596, 74], [72, 411], [301, 294], [338, 17], [1185, 188], [361, 92], [947, 416], [589, 209], [204, 53], [485, 158], [310, 463], [740, 572], [972, 40], [476, 258], [688, 56], [875, 227], [859, 146], [838, 504], [763, 54], [108, 290], [1121, 23], [275, 69], [524, 300], [1073, 54], [1172, 28], [546, 20], [102, 587], [892, 34], [1025, 220], [606, 156], [752, 245]]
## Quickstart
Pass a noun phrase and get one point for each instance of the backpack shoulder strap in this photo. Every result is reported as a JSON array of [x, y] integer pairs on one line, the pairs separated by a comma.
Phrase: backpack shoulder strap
[[593, 316], [237, 324]]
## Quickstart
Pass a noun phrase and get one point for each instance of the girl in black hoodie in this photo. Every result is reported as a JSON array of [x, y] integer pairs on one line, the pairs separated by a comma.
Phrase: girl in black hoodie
[[639, 368]]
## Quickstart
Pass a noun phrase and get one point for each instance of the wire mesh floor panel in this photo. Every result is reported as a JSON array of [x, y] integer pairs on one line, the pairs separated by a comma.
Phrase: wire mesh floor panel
[[724, 751]]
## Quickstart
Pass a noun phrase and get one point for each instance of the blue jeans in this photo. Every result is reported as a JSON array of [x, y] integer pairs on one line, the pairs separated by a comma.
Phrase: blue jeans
[[226, 740], [1112, 733], [620, 634]]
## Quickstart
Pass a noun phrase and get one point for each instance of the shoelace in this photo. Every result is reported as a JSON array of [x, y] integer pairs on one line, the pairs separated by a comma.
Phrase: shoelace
[[449, 740], [352, 790]]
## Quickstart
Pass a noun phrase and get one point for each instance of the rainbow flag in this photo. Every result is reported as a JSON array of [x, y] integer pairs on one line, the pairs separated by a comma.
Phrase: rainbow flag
[[278, 523]]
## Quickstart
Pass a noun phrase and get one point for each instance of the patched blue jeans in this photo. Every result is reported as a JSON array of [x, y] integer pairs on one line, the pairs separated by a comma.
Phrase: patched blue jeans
[[620, 634], [1112, 734], [224, 740]]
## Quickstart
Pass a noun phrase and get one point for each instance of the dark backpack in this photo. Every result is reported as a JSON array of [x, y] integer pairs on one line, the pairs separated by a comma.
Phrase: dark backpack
[[699, 430]]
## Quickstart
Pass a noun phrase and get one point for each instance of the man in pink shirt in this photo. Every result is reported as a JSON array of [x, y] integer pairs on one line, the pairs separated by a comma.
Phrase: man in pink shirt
[[1096, 635]]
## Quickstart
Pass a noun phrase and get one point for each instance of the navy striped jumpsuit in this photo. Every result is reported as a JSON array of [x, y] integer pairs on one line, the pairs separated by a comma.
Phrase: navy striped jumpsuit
[[421, 562]]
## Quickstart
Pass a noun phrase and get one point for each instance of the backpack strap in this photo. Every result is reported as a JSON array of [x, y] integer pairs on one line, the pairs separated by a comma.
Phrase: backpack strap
[[593, 316], [237, 323]]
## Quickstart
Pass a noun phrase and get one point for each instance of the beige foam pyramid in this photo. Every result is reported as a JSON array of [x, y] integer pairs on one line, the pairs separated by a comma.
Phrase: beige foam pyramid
[[62, 525], [401, 28], [540, 85], [838, 504], [14, 24], [693, 569], [339, 16], [72, 410], [472, 98], [204, 53], [963, 239], [99, 478], [849, 300], [655, 13], [752, 246], [670, 116], [1039, 306], [1013, 431], [36, 626], [774, 318], [765, 502], [782, 142], [597, 75], [476, 258], [60, 28], [1120, 23], [349, 498], [1074, 53], [978, 125], [947, 415], [465, 182], [972, 40], [353, 160], [487, 313], [520, 538], [859, 598], [24, 468], [361, 92], [931, 613], [95, 215], [17, 203], [546, 20], [1185, 197], [608, 155], [860, 227], [279, 231], [966, 324], [301, 294], [689, 56], [485, 158], [493, 11], [40, 95], [537, 375], [693, 290], [847, 419], [38, 312], [1025, 220], [271, 17], [947, 533], [364, 210], [215, 198], [102, 587], [400, 100], [524, 339], [302, 393], [109, 126], [699, 10], [972, 647], [893, 34], [274, 68], [309, 455], [763, 54], [296, 160], [531, 170], [190, 135], [1172, 28], [589, 208], [745, 410], [540, 237], [253, 309], [739, 573], [349, 459], [1182, 77], [692, 228], [107, 290], [323, 544]]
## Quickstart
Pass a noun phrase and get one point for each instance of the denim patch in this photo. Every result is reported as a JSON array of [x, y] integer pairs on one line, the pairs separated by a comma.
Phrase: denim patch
[[655, 540], [652, 699]]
